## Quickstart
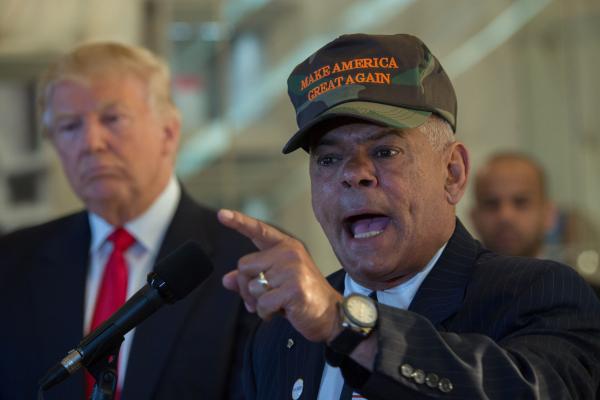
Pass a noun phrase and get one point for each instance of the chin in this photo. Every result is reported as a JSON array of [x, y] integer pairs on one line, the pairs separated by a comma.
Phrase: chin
[[368, 267], [104, 192]]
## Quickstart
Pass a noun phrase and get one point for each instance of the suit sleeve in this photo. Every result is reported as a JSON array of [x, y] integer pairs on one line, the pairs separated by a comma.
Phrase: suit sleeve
[[548, 348]]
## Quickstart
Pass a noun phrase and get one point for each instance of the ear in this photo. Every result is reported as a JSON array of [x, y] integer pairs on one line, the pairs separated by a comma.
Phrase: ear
[[171, 130], [457, 169]]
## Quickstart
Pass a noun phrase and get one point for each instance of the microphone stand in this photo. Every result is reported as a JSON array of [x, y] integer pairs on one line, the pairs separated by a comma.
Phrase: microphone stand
[[104, 370]]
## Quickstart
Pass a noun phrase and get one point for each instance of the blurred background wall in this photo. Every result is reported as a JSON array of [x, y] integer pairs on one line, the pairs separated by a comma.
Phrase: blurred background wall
[[526, 74]]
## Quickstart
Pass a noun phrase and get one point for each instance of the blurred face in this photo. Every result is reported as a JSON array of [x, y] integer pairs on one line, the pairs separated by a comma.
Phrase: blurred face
[[379, 195], [115, 149], [511, 213]]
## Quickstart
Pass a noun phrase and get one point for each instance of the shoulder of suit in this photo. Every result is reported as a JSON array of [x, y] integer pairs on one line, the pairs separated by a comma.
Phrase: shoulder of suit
[[44, 232], [198, 217], [512, 275], [20, 251], [196, 212], [490, 260]]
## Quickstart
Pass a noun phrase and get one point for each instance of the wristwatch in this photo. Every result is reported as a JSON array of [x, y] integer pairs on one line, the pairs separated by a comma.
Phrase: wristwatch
[[359, 316]]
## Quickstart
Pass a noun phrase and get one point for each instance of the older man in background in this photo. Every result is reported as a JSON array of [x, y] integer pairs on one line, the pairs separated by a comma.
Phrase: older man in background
[[107, 110]]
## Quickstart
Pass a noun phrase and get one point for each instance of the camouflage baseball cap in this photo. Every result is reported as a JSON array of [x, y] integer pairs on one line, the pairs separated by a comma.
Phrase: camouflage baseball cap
[[392, 80]]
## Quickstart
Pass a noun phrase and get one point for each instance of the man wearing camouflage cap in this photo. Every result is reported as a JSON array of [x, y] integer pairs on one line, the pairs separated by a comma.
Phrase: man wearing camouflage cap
[[420, 309]]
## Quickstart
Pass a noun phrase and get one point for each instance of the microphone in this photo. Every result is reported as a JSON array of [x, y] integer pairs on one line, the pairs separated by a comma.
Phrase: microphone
[[173, 278]]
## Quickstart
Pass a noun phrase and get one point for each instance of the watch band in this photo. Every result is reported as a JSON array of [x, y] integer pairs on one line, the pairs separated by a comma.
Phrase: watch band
[[347, 341]]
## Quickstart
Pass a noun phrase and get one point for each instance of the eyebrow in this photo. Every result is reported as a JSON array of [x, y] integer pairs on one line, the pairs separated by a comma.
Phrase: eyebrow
[[112, 104], [388, 131], [61, 116], [101, 107], [57, 117]]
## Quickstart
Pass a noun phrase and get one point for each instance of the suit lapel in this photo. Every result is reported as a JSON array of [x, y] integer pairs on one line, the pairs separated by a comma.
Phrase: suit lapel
[[187, 224], [311, 355], [337, 280], [306, 361], [61, 278], [163, 326], [443, 290]]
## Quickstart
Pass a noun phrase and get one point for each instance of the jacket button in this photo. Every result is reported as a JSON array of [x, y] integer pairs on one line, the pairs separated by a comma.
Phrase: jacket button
[[445, 385], [419, 376], [432, 380], [406, 370]]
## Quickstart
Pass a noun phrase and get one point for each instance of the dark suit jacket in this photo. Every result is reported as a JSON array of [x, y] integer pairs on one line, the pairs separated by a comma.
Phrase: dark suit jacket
[[184, 351], [497, 327]]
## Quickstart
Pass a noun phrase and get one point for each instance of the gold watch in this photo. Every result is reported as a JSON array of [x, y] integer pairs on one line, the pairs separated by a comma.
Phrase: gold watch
[[359, 317]]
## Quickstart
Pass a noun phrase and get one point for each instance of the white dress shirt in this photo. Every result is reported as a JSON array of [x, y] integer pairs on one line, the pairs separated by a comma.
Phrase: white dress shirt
[[148, 230], [399, 296]]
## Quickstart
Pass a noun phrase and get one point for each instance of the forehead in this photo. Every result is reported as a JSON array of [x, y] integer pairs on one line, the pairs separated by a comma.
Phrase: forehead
[[100, 88], [509, 177]]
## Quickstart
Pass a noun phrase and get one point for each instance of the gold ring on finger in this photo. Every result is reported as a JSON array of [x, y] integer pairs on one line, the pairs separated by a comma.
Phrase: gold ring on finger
[[262, 280]]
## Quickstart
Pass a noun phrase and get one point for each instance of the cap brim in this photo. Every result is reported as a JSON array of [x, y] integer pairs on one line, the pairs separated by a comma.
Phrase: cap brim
[[380, 114]]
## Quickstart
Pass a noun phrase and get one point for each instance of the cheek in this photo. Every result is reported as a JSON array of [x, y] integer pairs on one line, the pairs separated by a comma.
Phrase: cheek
[[535, 220], [69, 163], [322, 200], [489, 217], [317, 202]]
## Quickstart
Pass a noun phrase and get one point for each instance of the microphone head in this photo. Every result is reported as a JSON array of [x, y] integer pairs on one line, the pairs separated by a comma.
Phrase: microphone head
[[183, 270]]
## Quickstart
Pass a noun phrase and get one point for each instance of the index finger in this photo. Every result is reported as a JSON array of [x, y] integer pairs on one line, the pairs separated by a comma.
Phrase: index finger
[[263, 235]]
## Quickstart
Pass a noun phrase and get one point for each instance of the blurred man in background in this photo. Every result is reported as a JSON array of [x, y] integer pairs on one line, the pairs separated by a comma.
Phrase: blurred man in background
[[512, 212], [107, 110]]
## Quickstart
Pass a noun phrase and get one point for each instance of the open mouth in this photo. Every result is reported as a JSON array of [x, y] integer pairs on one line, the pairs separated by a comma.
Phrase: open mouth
[[365, 226]]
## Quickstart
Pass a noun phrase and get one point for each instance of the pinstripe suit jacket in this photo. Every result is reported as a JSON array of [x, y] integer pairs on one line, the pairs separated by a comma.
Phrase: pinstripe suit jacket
[[497, 327]]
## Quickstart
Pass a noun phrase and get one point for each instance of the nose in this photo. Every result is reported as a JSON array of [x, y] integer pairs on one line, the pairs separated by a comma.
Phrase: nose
[[93, 135], [506, 211], [359, 171]]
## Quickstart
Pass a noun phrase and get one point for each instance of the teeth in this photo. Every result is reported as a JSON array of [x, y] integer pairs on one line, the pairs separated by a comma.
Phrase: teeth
[[365, 235]]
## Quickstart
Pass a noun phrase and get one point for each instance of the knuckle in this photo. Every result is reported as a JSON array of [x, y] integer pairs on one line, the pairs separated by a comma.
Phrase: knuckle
[[263, 229], [292, 252], [246, 262], [296, 293], [263, 311]]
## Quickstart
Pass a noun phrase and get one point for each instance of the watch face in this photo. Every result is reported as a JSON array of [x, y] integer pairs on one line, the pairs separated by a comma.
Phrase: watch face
[[361, 310]]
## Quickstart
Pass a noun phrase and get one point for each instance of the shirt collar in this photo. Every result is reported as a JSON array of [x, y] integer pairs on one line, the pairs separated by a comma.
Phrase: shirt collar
[[148, 228], [398, 296]]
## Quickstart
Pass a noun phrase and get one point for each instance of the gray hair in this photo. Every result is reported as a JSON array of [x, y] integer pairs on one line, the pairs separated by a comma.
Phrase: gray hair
[[438, 132]]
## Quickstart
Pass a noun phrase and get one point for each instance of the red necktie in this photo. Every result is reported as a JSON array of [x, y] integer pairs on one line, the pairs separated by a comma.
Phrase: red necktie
[[113, 289]]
